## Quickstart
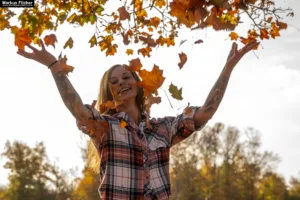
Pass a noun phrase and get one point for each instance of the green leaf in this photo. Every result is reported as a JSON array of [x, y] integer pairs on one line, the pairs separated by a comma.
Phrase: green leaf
[[69, 43], [176, 94]]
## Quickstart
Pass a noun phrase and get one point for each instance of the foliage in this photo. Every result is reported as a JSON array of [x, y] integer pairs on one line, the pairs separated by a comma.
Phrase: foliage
[[31, 175], [143, 25]]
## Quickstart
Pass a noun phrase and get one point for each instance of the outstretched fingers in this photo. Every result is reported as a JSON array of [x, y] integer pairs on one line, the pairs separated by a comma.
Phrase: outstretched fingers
[[31, 47], [251, 45], [25, 54], [42, 44]]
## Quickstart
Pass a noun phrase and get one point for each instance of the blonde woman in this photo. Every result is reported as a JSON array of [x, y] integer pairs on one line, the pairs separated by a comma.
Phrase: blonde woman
[[134, 159]]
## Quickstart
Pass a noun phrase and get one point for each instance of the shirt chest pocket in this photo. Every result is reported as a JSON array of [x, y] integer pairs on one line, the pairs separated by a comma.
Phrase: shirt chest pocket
[[157, 140], [120, 135]]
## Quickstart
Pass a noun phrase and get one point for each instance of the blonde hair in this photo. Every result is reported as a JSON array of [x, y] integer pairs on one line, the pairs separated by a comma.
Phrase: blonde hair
[[93, 159]]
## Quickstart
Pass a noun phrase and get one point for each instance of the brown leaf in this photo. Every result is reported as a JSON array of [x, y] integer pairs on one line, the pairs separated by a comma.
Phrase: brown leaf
[[123, 13], [183, 59], [50, 40], [134, 65], [198, 41]]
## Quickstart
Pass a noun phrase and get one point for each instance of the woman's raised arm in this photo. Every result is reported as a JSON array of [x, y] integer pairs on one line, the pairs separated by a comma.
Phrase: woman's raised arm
[[216, 94], [67, 92]]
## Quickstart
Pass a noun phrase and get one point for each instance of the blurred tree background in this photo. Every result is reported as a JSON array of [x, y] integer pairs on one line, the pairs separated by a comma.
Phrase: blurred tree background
[[217, 163]]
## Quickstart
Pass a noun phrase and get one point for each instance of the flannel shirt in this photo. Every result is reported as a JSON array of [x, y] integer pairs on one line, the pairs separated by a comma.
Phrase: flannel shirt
[[135, 159]]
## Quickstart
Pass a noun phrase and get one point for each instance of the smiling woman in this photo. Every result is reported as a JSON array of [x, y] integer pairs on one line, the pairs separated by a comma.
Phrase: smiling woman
[[135, 156]]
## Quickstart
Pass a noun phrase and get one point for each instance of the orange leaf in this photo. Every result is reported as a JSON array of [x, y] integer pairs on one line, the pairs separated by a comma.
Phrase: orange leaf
[[183, 59], [21, 37], [274, 31], [107, 105], [134, 65], [123, 123], [151, 81], [264, 34], [50, 40], [63, 63], [281, 25], [129, 51], [233, 36], [188, 110], [145, 51], [123, 13]]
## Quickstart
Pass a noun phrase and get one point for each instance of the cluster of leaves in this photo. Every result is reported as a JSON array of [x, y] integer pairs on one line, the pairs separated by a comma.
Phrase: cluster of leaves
[[149, 24]]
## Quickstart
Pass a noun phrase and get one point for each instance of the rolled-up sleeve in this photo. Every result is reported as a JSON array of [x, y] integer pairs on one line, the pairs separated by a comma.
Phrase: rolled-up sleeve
[[182, 126], [96, 126]]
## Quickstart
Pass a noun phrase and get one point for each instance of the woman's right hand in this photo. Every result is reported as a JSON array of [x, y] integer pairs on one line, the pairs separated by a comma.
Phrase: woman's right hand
[[41, 56]]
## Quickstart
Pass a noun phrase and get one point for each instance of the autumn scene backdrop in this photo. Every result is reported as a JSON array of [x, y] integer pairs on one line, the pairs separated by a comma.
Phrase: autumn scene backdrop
[[178, 48]]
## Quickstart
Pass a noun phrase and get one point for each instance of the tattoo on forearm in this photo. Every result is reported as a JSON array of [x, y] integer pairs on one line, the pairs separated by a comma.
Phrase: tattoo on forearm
[[69, 95], [216, 94]]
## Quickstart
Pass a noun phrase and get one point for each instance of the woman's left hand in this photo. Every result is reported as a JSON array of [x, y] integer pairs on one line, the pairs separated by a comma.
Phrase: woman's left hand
[[235, 55]]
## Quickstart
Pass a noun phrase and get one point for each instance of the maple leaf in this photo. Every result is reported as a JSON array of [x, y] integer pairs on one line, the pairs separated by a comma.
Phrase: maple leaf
[[160, 3], [175, 92], [134, 65], [274, 31], [50, 40], [148, 40], [129, 51], [21, 37], [107, 105], [264, 34], [183, 59], [233, 36], [93, 41], [145, 51], [69, 43], [281, 25], [123, 13], [151, 81], [63, 62]]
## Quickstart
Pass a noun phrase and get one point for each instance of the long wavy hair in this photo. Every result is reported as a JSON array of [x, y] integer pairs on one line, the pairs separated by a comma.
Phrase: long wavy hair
[[93, 159]]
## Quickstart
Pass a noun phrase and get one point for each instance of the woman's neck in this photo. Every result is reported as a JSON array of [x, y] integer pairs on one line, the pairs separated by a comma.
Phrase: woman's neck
[[132, 111]]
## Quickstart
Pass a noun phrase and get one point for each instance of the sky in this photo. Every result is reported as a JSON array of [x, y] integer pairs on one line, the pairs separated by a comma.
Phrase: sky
[[263, 92]]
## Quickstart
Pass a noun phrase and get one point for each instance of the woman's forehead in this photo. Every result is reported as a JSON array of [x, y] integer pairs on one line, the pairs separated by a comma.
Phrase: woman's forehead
[[119, 71]]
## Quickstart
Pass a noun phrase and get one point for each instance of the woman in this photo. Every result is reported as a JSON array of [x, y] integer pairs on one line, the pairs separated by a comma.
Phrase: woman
[[135, 158]]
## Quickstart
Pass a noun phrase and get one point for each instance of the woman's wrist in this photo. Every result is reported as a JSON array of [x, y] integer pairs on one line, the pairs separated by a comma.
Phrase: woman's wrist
[[56, 67]]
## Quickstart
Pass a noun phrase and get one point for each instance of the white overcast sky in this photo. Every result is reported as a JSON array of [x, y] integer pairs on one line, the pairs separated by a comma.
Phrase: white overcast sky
[[263, 93]]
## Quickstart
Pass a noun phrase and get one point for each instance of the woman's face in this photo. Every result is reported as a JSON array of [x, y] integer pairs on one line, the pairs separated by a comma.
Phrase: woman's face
[[122, 85]]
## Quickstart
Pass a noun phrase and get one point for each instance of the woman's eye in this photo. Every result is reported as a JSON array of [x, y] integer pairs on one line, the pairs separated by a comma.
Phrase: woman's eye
[[113, 82], [126, 77]]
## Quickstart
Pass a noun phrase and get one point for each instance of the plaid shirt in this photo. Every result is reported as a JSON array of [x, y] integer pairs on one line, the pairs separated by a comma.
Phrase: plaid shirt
[[135, 159]]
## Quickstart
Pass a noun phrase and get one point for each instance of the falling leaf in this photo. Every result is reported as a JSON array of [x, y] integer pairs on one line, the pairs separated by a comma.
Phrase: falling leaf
[[150, 100], [129, 51], [123, 13], [188, 110], [175, 92], [233, 36], [21, 37], [145, 51], [281, 25], [183, 59], [50, 40], [123, 123], [152, 80], [264, 34], [269, 19], [182, 41], [93, 41], [125, 38], [63, 62], [198, 41], [69, 43], [274, 31], [134, 65]]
